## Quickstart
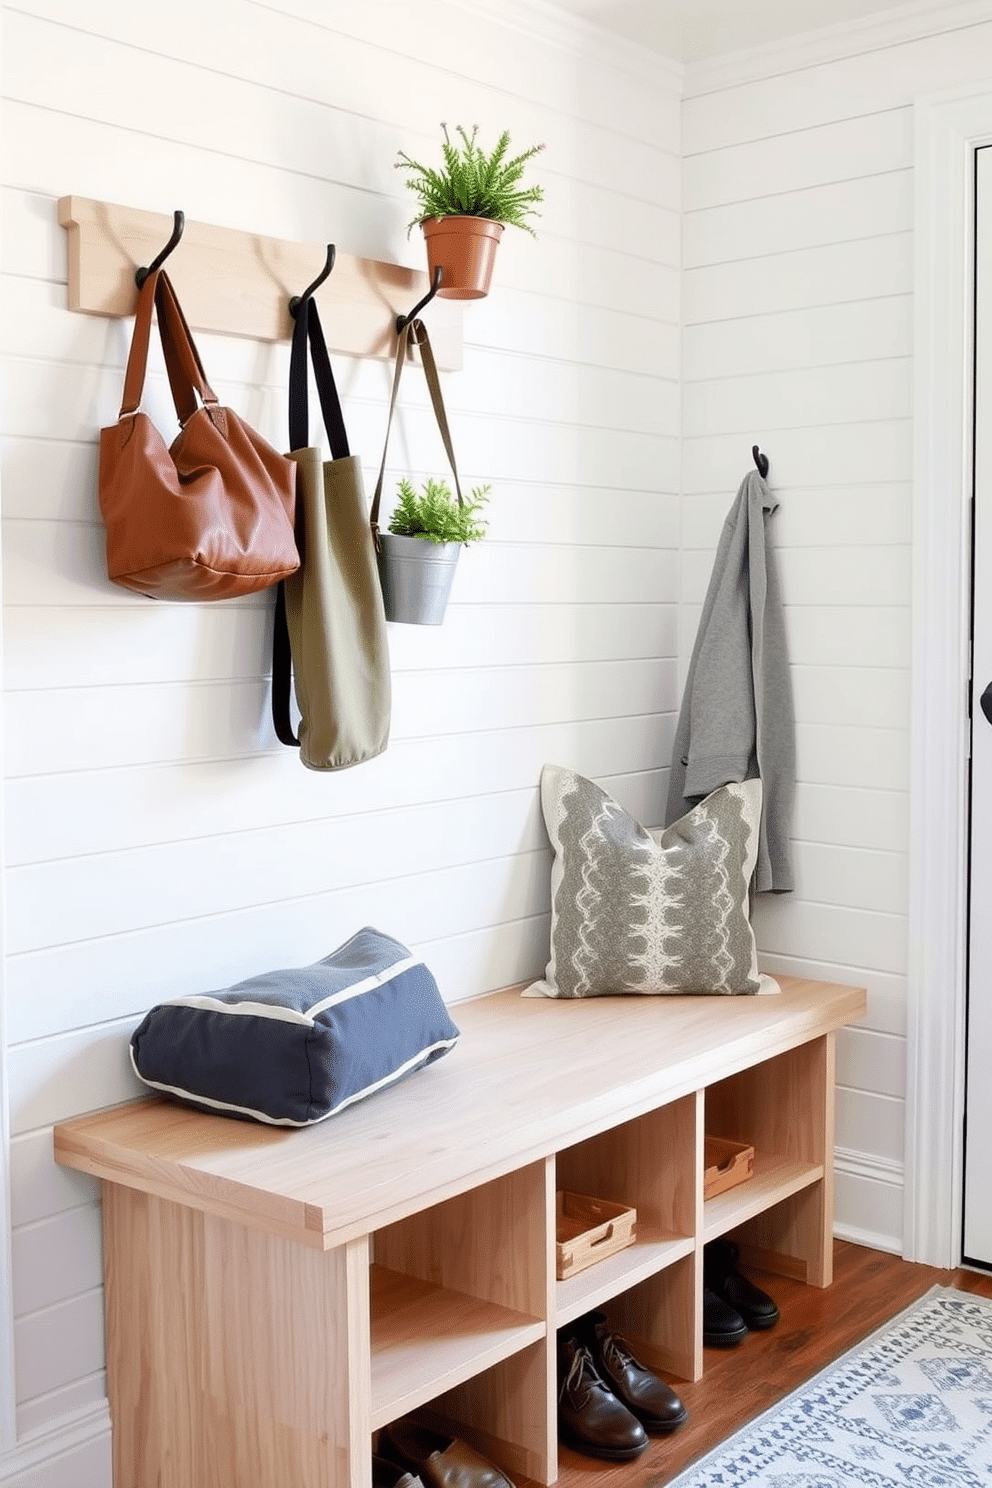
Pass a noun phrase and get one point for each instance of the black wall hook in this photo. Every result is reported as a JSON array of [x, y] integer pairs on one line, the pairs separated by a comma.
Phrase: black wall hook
[[760, 460], [178, 223], [297, 300], [404, 320]]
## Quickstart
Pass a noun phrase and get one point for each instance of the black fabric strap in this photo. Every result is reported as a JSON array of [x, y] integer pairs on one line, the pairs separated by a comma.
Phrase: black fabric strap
[[307, 326], [282, 671], [327, 392]]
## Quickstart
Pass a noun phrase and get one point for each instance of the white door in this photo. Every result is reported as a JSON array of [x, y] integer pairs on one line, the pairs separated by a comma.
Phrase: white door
[[977, 1238]]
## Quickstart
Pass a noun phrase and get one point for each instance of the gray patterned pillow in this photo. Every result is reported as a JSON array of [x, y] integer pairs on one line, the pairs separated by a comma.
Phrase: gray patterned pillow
[[633, 911]]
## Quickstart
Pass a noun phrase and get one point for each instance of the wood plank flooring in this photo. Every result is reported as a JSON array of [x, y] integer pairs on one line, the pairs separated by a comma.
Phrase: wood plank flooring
[[816, 1326]]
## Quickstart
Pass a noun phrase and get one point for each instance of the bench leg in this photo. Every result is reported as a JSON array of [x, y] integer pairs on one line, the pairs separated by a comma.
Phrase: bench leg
[[232, 1355]]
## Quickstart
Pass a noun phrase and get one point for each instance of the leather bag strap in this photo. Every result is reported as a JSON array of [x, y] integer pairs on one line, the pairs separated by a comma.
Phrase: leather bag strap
[[416, 331], [182, 360], [137, 359]]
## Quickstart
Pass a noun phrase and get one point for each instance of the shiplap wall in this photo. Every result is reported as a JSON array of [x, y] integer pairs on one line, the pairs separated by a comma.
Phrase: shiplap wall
[[155, 835], [798, 306], [157, 838]]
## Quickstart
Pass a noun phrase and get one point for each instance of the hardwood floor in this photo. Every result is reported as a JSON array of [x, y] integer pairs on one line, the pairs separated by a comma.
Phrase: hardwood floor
[[816, 1326]]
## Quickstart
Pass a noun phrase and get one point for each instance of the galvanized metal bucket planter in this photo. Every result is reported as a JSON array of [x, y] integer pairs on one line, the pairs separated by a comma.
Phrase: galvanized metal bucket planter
[[416, 577]]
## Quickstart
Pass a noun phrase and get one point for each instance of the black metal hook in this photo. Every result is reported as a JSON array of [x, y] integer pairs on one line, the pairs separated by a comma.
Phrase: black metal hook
[[297, 300], [178, 223], [760, 460], [404, 320]]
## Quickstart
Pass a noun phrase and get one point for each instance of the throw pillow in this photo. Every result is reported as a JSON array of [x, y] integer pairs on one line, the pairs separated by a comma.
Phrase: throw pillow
[[294, 1047], [633, 911]]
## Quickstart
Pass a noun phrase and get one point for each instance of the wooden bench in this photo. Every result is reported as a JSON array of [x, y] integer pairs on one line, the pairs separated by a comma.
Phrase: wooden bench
[[274, 1296]]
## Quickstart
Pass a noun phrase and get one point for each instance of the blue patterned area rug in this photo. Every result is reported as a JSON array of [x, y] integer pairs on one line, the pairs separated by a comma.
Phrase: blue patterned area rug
[[911, 1407]]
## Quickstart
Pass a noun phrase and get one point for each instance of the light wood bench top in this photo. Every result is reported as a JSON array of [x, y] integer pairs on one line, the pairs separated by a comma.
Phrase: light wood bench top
[[527, 1078]]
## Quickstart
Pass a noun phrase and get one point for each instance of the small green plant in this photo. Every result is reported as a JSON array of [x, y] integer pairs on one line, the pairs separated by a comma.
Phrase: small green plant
[[436, 515], [473, 183]]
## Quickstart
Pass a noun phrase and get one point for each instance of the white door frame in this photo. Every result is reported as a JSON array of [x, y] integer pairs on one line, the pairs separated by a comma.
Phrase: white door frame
[[949, 128]]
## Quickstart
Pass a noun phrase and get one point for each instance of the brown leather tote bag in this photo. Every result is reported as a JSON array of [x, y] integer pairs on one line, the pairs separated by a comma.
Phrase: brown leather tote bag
[[211, 517]]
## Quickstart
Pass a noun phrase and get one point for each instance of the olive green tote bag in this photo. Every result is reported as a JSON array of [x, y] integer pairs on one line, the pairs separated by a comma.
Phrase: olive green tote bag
[[330, 625]]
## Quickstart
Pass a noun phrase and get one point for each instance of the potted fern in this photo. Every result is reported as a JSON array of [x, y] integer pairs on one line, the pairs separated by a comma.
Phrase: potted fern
[[464, 206], [420, 550]]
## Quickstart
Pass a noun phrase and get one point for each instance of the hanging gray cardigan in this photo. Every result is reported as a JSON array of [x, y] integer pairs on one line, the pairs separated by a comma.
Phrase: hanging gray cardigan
[[737, 719]]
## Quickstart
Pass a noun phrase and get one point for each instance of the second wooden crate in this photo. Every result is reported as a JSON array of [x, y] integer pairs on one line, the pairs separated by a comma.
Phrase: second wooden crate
[[588, 1229], [725, 1165]]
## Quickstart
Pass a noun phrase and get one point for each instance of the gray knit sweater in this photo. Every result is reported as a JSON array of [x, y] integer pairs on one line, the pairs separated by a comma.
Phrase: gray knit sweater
[[737, 719]]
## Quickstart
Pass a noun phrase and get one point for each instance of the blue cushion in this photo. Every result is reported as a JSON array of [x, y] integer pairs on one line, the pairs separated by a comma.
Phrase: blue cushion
[[293, 1047]]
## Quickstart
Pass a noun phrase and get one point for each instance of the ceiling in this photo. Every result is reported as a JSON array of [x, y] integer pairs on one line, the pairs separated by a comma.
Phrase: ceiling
[[695, 30]]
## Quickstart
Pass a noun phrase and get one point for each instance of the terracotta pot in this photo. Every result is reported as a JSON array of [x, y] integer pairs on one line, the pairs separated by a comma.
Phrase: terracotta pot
[[465, 248]]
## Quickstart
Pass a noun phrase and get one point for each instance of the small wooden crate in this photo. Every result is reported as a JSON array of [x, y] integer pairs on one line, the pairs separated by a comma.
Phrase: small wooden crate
[[725, 1165], [587, 1230]]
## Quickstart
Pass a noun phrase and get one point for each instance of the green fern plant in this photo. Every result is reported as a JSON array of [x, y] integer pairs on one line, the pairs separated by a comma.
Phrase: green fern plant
[[474, 183], [434, 514]]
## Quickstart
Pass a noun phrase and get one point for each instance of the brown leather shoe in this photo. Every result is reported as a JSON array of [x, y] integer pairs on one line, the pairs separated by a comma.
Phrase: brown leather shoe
[[590, 1417], [439, 1461], [654, 1403]]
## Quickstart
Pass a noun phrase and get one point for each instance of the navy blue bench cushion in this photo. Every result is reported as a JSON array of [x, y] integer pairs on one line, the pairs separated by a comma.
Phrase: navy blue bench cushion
[[293, 1047]]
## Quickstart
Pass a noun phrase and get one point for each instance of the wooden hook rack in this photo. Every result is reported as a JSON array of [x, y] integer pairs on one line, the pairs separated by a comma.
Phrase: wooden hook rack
[[241, 284]]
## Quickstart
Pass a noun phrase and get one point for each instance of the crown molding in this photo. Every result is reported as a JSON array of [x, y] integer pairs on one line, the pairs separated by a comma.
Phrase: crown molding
[[544, 21], [832, 43]]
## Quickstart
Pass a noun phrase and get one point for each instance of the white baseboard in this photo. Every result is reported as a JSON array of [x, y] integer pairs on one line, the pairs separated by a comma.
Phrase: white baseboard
[[878, 1190], [857, 1236], [74, 1453]]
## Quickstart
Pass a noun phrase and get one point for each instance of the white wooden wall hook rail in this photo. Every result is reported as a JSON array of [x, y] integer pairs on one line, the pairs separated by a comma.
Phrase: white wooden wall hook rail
[[240, 283]]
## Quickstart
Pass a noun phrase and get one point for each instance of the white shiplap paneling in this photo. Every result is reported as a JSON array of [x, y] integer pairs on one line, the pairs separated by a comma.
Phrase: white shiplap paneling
[[156, 831], [798, 279]]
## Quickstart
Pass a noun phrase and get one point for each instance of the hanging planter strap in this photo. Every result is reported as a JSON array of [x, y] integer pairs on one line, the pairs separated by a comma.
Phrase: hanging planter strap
[[416, 332]]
